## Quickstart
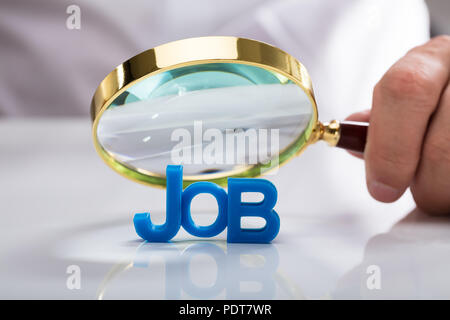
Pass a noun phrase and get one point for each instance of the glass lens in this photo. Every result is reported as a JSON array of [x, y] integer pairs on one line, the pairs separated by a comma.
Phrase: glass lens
[[211, 118]]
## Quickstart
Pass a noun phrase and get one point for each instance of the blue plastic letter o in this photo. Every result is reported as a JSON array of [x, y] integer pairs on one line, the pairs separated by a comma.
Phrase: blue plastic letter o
[[222, 215]]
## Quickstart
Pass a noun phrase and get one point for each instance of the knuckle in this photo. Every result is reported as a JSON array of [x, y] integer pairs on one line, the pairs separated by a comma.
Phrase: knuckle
[[393, 168], [434, 46], [428, 202], [431, 186], [443, 39], [406, 82], [437, 150]]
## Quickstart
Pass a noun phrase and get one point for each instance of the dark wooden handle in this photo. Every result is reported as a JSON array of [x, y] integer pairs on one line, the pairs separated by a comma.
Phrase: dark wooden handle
[[353, 136]]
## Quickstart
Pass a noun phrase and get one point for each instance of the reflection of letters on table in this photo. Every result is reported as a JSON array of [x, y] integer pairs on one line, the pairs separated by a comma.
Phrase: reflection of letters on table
[[243, 271]]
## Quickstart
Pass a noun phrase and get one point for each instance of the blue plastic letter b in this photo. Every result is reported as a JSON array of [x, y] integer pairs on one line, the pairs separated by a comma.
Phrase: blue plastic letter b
[[264, 209]]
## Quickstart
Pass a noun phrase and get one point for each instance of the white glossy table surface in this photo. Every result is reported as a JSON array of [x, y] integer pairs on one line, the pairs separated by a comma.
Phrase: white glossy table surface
[[61, 206]]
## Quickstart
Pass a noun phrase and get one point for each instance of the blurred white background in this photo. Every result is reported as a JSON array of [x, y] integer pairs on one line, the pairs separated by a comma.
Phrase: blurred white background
[[48, 70]]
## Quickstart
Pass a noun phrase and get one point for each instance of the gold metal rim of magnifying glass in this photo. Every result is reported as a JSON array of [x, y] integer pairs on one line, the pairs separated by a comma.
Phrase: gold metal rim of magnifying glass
[[203, 50]]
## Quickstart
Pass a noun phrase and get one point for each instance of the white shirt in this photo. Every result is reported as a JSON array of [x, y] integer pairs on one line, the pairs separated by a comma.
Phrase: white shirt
[[47, 69]]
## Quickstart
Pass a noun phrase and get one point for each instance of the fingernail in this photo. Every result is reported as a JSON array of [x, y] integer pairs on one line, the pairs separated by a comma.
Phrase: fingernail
[[383, 192]]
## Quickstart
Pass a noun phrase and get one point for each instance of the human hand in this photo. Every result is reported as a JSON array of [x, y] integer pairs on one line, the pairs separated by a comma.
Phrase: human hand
[[408, 142]]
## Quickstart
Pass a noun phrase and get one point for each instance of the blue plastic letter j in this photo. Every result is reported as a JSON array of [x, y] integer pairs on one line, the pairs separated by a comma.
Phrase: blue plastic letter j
[[263, 209], [163, 233]]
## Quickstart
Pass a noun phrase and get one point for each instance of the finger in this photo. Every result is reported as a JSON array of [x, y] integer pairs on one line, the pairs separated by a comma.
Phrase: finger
[[363, 116], [431, 186], [403, 102]]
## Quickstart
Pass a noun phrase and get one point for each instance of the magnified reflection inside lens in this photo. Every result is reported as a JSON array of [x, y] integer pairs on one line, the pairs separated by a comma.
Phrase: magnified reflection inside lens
[[211, 118]]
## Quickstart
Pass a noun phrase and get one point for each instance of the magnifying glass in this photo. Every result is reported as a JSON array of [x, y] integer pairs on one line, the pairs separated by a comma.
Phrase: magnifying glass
[[220, 106]]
